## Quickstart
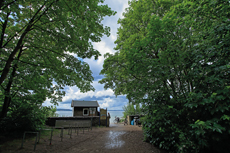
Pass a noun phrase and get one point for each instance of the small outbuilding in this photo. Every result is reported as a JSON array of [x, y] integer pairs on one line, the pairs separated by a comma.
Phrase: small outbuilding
[[84, 108]]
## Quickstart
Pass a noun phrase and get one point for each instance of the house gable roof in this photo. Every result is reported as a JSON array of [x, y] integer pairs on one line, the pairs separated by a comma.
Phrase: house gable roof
[[76, 103]]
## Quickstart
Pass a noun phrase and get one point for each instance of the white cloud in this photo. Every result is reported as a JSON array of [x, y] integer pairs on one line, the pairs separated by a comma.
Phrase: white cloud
[[74, 93], [102, 47], [64, 106], [96, 65], [118, 5], [125, 5], [106, 103], [47, 103], [113, 36]]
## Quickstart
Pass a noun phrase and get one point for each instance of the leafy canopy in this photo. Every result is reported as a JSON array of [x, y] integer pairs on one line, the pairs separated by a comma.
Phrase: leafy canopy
[[173, 58], [42, 48]]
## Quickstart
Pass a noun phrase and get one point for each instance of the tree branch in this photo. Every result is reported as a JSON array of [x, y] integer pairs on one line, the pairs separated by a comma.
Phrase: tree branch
[[11, 57], [4, 29], [63, 55], [28, 63], [6, 5]]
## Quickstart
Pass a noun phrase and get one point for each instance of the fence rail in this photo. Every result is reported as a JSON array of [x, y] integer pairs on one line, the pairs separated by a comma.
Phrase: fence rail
[[62, 124]]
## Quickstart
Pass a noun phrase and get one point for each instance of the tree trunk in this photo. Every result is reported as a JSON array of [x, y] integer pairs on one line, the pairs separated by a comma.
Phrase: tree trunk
[[5, 106], [7, 99]]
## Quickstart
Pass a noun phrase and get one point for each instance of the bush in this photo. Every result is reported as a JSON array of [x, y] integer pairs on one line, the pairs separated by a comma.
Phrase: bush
[[25, 118]]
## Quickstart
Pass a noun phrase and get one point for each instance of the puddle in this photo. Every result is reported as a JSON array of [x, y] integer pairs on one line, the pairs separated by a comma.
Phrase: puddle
[[114, 139]]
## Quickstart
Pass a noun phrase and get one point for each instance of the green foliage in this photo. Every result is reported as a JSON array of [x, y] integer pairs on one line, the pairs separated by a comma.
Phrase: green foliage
[[26, 113], [50, 111], [43, 45], [129, 109], [122, 120], [173, 58], [24, 118]]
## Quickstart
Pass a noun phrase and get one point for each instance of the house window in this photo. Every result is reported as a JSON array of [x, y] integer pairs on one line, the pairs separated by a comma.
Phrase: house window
[[92, 111], [85, 111]]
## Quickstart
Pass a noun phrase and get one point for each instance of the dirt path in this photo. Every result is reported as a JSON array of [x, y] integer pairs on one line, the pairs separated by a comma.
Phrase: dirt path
[[116, 138]]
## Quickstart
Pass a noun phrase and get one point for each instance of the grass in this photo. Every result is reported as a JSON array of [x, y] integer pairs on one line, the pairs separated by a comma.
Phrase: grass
[[12, 142], [100, 126]]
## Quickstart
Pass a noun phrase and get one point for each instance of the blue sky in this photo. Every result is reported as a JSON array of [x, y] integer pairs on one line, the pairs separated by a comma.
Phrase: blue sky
[[105, 98]]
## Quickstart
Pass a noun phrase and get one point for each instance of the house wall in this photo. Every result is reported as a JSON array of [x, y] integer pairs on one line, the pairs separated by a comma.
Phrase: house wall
[[78, 111], [95, 120], [95, 113]]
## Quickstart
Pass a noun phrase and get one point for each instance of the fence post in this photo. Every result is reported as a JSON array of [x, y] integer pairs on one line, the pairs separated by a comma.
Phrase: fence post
[[35, 142], [24, 135], [51, 136], [106, 118], [71, 131], [77, 128], [91, 123], [39, 135], [62, 133]]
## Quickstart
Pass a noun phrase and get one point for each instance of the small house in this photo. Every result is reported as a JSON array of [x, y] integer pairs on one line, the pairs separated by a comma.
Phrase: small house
[[84, 108]]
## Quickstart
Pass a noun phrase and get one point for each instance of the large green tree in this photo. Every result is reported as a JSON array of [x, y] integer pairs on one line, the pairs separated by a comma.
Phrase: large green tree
[[45, 41], [173, 57]]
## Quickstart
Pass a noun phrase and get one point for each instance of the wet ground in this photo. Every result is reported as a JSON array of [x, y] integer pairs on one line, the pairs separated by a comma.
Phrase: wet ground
[[113, 137], [116, 138]]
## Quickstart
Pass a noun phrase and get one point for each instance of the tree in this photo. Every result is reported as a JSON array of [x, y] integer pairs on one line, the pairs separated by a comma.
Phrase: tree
[[45, 41], [174, 59], [130, 110]]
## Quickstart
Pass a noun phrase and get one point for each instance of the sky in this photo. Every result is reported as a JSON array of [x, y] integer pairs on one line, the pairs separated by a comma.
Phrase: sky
[[105, 98]]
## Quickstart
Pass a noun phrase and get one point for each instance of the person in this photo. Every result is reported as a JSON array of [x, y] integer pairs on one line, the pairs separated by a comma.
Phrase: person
[[125, 121], [118, 119], [109, 117]]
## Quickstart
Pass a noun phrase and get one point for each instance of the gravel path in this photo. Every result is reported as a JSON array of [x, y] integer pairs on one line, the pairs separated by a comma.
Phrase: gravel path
[[116, 138]]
